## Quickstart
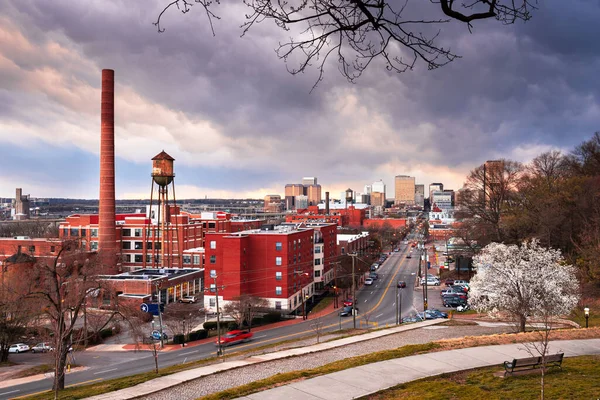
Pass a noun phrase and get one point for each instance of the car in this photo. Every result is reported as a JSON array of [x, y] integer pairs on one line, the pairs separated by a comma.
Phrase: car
[[374, 276], [235, 337], [156, 335], [451, 292], [347, 311], [437, 313], [430, 281], [401, 284], [18, 348], [461, 282], [348, 302], [460, 288], [369, 281], [449, 282], [412, 318], [396, 250], [454, 301], [42, 348], [408, 255], [187, 299]]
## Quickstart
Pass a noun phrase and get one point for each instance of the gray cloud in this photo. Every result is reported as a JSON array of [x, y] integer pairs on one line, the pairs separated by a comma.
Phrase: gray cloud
[[527, 86]]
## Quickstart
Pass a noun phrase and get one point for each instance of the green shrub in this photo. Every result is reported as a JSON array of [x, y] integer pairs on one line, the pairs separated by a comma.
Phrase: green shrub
[[198, 335], [178, 339], [210, 325], [104, 333], [232, 326], [271, 317]]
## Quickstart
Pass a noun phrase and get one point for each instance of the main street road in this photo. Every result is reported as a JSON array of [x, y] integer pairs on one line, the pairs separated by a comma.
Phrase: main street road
[[377, 305]]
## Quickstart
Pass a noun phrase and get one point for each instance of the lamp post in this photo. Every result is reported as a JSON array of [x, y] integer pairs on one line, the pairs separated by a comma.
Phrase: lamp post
[[183, 343], [586, 312]]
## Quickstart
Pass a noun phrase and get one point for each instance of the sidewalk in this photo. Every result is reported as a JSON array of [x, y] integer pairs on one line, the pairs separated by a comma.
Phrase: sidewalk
[[371, 378]]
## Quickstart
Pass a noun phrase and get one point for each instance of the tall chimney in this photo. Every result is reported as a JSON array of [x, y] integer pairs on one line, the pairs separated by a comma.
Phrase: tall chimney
[[326, 203], [107, 230]]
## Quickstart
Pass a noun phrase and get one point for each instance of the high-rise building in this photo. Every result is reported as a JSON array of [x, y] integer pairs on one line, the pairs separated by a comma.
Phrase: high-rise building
[[377, 199], [378, 186], [307, 181], [308, 188], [313, 193], [291, 191], [404, 189], [443, 199], [433, 187], [368, 189], [420, 195]]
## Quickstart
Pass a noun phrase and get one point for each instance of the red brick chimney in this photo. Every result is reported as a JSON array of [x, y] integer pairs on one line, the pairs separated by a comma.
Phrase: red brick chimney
[[107, 230]]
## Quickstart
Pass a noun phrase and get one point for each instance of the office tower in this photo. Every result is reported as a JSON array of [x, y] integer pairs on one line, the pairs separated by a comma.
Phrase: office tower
[[404, 189]]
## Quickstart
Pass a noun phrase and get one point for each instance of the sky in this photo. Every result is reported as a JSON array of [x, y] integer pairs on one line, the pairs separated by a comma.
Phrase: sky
[[240, 126]]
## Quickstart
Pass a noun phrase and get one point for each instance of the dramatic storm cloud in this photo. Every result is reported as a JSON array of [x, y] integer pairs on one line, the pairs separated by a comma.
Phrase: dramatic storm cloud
[[239, 125]]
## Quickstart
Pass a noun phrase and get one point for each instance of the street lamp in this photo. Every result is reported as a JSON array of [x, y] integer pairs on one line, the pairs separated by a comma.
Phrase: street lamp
[[586, 312]]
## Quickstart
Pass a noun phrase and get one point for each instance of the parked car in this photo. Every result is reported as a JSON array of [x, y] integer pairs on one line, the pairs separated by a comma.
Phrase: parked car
[[348, 302], [437, 313], [369, 281], [460, 288], [18, 348], [449, 282], [451, 291], [156, 335], [401, 284], [374, 276], [412, 318], [42, 348], [454, 301], [235, 337], [347, 311], [430, 281], [408, 255], [187, 299], [461, 282]]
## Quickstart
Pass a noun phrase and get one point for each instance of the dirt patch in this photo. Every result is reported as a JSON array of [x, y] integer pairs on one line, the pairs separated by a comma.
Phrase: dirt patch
[[508, 338]]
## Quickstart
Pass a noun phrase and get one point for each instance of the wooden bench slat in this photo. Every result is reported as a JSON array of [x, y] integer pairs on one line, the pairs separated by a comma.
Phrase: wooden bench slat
[[520, 364]]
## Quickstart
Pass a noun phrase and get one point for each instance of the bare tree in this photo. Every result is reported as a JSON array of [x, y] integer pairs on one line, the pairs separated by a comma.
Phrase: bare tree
[[356, 32], [317, 326], [61, 287], [489, 194], [245, 308], [366, 316]]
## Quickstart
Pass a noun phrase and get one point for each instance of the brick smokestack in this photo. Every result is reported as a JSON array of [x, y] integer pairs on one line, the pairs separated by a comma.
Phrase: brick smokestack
[[107, 230], [326, 203]]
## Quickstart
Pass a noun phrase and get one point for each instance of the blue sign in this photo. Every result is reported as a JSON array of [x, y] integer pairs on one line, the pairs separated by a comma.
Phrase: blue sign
[[152, 308], [428, 264]]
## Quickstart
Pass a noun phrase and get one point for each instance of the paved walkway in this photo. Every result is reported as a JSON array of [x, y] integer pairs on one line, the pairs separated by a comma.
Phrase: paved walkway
[[371, 378]]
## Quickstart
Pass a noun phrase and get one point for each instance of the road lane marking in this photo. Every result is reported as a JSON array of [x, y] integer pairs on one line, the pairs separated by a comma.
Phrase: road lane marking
[[189, 352], [377, 316], [12, 391], [261, 336], [103, 372]]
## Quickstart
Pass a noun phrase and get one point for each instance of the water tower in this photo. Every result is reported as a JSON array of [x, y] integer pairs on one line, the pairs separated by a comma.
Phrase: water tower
[[159, 215]]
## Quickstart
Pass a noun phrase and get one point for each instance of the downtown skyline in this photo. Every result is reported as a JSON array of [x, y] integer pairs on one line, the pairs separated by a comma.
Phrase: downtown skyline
[[240, 126]]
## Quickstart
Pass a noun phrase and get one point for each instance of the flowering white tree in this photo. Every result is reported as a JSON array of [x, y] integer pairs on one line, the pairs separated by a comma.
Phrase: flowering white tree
[[525, 281]]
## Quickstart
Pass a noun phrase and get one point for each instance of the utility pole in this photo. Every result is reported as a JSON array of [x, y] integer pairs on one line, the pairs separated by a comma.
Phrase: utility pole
[[219, 347], [353, 255], [397, 314]]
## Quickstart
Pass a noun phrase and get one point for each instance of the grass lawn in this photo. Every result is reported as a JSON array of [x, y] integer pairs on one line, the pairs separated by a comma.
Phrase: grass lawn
[[578, 379], [594, 317]]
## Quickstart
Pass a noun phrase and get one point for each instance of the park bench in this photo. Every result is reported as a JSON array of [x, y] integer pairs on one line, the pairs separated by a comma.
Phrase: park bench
[[523, 364]]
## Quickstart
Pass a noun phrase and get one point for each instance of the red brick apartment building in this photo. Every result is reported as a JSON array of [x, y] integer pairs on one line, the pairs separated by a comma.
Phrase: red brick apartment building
[[283, 264], [140, 242]]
